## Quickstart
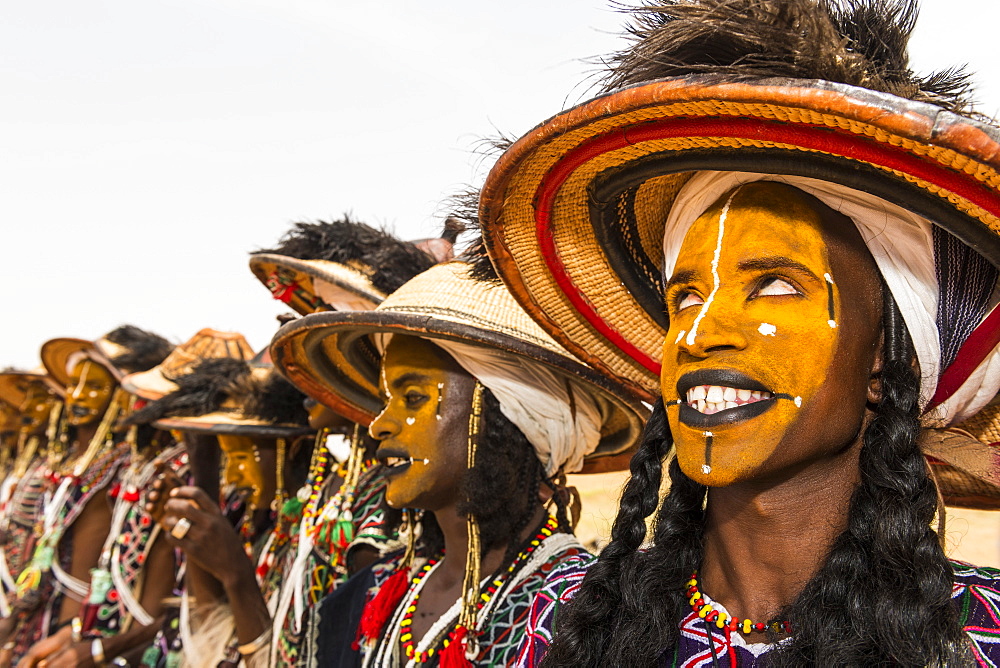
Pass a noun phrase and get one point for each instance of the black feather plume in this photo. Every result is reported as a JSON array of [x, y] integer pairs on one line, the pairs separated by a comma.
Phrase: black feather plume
[[200, 392], [144, 350], [856, 42], [388, 262], [274, 399]]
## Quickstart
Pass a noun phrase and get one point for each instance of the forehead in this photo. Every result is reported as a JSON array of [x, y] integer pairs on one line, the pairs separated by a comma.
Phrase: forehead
[[409, 353], [234, 443], [760, 218], [94, 370]]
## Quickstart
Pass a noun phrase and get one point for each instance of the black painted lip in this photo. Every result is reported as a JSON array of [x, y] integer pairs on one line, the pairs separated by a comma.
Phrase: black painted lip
[[723, 377], [382, 454], [699, 420]]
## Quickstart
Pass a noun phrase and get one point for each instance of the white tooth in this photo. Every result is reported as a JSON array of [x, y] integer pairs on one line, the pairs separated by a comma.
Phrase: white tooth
[[690, 395], [744, 395], [730, 404], [702, 405], [729, 394], [698, 392], [756, 395], [714, 393]]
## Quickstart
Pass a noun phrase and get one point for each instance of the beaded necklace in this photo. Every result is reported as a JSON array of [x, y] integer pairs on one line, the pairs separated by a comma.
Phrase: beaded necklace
[[406, 634], [719, 618]]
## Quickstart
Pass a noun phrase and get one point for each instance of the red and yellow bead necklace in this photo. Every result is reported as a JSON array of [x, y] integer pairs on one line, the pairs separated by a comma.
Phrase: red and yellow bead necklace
[[724, 621]]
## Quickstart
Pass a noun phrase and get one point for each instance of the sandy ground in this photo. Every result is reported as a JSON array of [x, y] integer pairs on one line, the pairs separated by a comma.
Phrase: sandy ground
[[971, 535]]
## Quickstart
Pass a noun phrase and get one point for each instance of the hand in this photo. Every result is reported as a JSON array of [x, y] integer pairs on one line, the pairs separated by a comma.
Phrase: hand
[[210, 541], [157, 497], [57, 651]]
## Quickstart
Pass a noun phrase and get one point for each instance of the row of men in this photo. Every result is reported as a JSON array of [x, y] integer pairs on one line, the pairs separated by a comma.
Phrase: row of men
[[810, 351]]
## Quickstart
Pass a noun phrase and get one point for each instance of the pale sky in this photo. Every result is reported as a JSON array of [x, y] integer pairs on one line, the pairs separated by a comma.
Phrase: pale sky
[[148, 146]]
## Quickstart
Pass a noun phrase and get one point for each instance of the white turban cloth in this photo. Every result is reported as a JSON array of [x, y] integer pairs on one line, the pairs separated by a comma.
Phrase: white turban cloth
[[903, 247]]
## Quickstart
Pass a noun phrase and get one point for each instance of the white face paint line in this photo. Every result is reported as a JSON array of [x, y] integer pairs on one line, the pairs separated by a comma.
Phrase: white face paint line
[[767, 329], [715, 271], [680, 335]]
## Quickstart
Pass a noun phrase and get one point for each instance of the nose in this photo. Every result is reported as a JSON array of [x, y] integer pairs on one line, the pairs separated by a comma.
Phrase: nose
[[384, 425], [713, 332]]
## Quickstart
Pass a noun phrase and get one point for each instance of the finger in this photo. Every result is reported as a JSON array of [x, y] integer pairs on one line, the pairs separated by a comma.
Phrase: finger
[[197, 495]]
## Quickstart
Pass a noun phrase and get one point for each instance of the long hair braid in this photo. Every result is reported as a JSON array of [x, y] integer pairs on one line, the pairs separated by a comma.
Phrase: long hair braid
[[882, 596]]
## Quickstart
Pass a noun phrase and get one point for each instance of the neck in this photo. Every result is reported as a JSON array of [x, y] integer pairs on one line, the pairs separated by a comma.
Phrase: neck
[[456, 540], [84, 434], [765, 540]]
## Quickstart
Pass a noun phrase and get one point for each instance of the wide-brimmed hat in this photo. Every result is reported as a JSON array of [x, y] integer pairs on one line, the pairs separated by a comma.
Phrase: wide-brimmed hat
[[333, 358], [338, 265], [226, 395], [574, 213], [124, 350], [14, 385], [206, 344]]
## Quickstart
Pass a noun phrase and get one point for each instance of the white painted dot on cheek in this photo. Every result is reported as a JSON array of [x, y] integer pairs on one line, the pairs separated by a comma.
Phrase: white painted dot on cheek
[[767, 329], [680, 335], [92, 394], [832, 323], [410, 420], [798, 402]]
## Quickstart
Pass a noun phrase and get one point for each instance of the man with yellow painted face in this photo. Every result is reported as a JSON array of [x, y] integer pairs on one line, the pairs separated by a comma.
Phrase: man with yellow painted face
[[810, 330], [62, 589], [35, 402], [260, 426], [319, 266], [477, 415]]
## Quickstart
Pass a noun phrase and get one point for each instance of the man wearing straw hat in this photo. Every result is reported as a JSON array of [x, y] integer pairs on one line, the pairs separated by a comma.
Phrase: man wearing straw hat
[[478, 414], [87, 460], [767, 223], [339, 265], [33, 401], [259, 424]]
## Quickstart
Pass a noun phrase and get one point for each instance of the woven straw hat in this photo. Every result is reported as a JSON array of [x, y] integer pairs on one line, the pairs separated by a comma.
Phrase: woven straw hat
[[56, 353], [574, 212], [206, 344], [125, 349], [300, 283], [331, 357], [14, 384], [237, 415]]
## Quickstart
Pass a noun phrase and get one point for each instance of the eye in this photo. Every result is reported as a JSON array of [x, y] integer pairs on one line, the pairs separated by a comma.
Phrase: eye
[[774, 286], [413, 398], [686, 299]]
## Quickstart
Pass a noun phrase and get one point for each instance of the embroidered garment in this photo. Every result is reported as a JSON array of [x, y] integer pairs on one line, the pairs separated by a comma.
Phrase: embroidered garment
[[314, 562], [41, 603], [116, 585], [500, 633], [976, 592]]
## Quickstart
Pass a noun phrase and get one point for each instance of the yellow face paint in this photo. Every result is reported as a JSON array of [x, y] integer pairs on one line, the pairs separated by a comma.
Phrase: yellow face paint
[[751, 371], [243, 468], [423, 429], [38, 403], [88, 393]]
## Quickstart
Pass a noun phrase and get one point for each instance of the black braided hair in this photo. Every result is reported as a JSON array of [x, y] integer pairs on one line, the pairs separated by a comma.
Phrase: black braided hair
[[882, 596]]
